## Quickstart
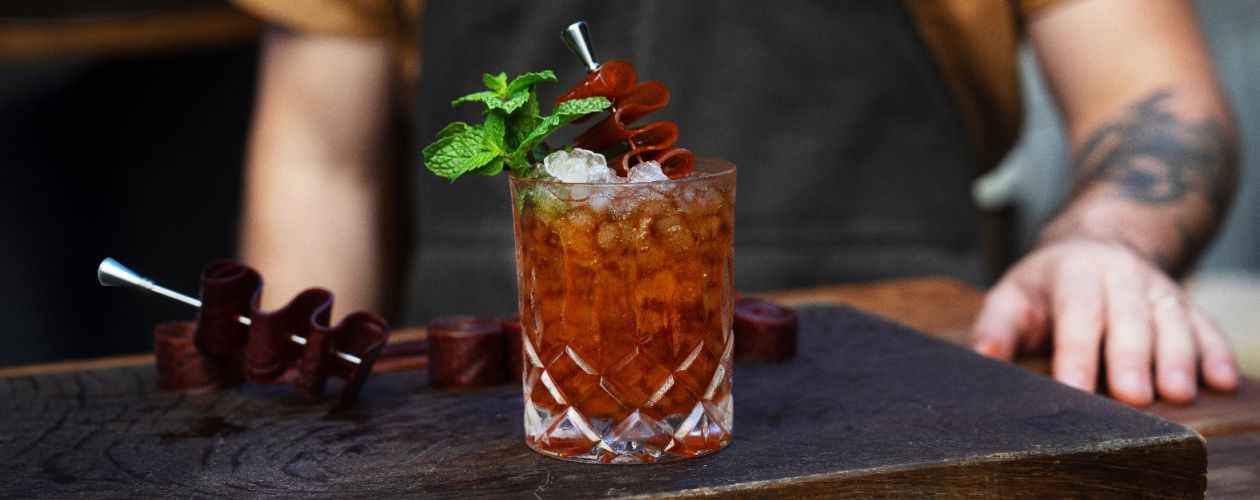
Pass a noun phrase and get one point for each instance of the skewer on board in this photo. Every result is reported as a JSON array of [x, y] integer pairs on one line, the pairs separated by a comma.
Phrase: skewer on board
[[112, 273]]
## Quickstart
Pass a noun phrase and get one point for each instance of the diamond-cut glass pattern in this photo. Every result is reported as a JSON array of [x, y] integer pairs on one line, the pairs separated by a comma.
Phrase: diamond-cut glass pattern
[[626, 304], [642, 411]]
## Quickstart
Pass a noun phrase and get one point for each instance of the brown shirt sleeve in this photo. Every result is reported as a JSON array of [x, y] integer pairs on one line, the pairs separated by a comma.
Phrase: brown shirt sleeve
[[975, 45], [333, 17], [1029, 8]]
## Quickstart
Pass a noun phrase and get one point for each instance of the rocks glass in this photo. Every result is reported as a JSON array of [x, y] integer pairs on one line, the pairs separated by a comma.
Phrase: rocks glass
[[626, 301]]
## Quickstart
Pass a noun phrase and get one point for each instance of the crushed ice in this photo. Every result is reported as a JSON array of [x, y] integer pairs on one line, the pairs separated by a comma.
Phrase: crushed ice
[[648, 171], [583, 166], [578, 165]]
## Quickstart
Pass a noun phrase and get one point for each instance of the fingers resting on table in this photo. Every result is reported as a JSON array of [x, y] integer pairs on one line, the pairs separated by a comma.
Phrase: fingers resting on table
[[1103, 307]]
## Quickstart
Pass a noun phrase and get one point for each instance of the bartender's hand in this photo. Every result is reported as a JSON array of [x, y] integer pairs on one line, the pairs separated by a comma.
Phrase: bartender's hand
[[1083, 296], [1155, 170]]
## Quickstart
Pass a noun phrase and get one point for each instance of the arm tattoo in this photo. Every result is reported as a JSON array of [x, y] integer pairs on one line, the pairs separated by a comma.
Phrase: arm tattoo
[[1155, 158]]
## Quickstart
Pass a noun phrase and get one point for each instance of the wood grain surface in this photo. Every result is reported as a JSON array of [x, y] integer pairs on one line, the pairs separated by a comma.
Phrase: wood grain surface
[[945, 308], [1234, 466], [868, 408]]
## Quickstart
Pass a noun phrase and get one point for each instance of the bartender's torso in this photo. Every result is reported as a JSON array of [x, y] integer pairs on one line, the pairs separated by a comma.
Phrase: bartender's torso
[[853, 159]]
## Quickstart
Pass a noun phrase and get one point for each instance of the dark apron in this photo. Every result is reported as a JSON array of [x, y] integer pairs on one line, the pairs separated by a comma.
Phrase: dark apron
[[853, 163]]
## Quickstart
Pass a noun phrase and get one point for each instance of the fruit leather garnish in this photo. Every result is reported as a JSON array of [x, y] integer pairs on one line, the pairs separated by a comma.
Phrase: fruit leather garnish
[[181, 367], [230, 290], [631, 100]]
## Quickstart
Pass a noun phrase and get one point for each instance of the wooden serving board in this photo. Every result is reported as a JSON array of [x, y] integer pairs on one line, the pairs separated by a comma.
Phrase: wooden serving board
[[866, 408]]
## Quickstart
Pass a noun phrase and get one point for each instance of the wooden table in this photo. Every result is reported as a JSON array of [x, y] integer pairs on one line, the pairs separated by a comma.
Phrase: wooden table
[[945, 309], [107, 428]]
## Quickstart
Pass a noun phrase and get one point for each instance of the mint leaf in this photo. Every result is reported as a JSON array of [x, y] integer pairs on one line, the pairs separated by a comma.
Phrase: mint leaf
[[496, 83], [512, 102], [527, 81], [493, 168], [544, 128], [518, 164], [513, 130], [488, 98], [494, 101], [523, 120], [452, 129], [566, 112], [495, 127], [458, 154], [577, 108]]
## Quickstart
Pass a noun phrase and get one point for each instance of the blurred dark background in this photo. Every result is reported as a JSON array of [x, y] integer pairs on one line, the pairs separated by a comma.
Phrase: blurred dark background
[[122, 133], [122, 130]]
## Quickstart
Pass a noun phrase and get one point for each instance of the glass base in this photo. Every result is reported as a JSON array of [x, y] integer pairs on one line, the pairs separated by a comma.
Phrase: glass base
[[637, 439]]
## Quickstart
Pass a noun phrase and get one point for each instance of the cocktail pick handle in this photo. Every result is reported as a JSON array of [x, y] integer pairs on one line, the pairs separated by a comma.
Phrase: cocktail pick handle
[[578, 40], [111, 273]]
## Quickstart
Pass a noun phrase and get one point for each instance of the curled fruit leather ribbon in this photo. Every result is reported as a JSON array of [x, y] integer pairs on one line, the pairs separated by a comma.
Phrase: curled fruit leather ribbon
[[631, 100], [181, 368], [265, 350]]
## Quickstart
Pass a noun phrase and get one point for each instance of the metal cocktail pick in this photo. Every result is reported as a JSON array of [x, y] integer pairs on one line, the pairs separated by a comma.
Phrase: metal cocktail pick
[[111, 273], [578, 40]]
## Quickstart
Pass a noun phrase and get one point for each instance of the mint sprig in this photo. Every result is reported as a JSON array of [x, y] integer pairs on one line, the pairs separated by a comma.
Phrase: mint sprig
[[512, 130]]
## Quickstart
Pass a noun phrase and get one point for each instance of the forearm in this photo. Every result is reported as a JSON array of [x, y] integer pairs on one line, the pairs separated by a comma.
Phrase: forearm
[[312, 208], [1153, 139], [314, 232], [1157, 179], [1154, 174]]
